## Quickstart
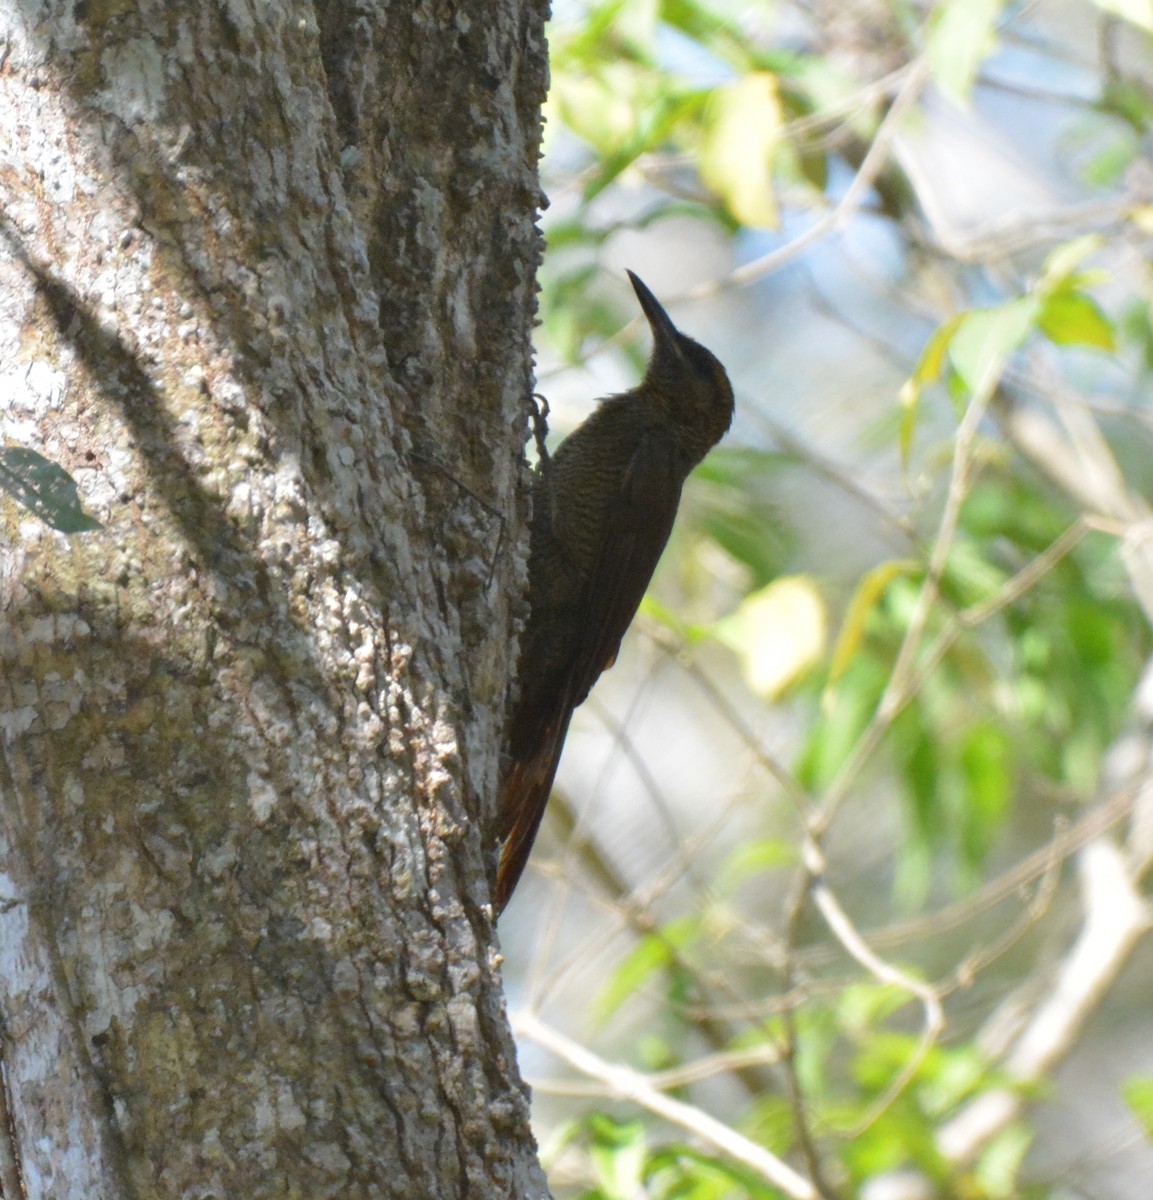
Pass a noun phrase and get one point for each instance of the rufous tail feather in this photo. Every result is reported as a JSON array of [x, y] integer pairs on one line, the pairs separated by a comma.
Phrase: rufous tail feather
[[523, 796]]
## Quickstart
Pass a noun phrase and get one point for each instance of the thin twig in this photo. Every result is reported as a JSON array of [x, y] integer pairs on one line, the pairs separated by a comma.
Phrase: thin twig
[[846, 208], [1116, 918], [969, 968], [728, 1062], [912, 77], [626, 1084], [1064, 844], [903, 675], [846, 933]]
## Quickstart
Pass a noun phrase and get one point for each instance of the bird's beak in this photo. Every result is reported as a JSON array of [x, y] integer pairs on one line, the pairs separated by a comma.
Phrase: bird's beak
[[664, 331]]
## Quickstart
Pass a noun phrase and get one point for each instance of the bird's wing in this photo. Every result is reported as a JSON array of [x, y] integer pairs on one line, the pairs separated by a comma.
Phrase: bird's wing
[[637, 525]]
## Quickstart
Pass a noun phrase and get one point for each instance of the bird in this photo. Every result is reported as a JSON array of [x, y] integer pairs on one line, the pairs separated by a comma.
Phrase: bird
[[603, 507]]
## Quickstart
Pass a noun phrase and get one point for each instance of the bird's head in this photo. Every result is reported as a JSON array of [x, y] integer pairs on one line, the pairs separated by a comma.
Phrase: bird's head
[[685, 378]]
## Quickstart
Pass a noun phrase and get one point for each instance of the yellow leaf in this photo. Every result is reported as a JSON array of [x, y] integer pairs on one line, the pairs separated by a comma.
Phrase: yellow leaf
[[779, 633], [1062, 262], [742, 132], [928, 371], [869, 592], [1142, 217], [1075, 319]]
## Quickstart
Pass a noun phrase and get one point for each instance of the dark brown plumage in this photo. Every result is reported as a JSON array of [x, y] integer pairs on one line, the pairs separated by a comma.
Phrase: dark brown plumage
[[602, 513]]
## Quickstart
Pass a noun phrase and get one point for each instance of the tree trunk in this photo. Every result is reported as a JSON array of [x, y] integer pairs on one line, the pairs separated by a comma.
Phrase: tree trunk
[[266, 285]]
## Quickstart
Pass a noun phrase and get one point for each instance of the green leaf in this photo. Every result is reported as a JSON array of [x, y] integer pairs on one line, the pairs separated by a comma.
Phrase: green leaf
[[1131, 100], [986, 765], [845, 711], [757, 858], [570, 311], [619, 29], [1070, 318], [600, 107], [960, 38], [861, 1007], [1066, 258], [634, 27], [558, 1139], [742, 131], [654, 953], [1137, 327], [771, 1122], [928, 370], [1138, 1093], [971, 576], [927, 779], [987, 336], [618, 1154], [662, 115], [565, 234], [44, 489], [679, 1172], [868, 595], [722, 33], [999, 1167], [1109, 163], [733, 499], [673, 620], [883, 1054]]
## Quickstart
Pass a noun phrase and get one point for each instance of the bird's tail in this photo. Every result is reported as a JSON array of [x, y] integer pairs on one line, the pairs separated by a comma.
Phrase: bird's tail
[[524, 793]]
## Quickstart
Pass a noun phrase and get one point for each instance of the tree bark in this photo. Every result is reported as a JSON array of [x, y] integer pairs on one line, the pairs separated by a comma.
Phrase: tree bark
[[266, 286]]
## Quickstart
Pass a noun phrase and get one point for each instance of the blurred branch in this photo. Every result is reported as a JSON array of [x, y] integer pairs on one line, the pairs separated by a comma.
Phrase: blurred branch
[[1116, 918], [1074, 454], [1056, 431], [906, 83], [835, 220], [846, 933], [623, 1083], [726, 1063], [1065, 842], [1022, 230], [633, 908], [904, 677]]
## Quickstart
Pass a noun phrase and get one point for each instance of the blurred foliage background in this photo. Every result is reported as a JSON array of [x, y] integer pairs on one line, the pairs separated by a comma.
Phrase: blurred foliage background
[[843, 887]]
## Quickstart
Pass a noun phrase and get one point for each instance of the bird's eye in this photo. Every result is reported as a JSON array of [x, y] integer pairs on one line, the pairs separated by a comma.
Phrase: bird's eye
[[704, 364]]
